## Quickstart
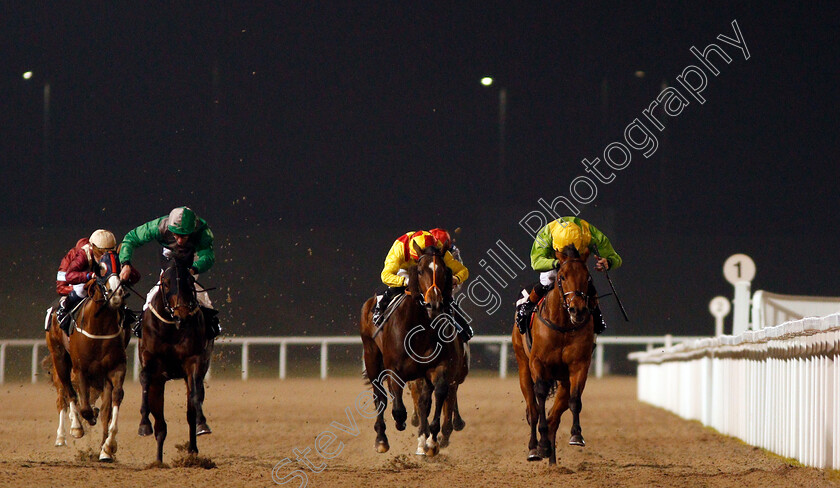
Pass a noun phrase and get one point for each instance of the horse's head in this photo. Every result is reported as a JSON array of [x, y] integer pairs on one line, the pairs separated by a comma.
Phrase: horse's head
[[430, 279], [177, 287], [106, 286], [573, 282]]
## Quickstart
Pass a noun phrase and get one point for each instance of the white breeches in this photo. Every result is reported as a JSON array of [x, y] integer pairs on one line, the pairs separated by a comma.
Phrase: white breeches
[[203, 296], [547, 278], [79, 290]]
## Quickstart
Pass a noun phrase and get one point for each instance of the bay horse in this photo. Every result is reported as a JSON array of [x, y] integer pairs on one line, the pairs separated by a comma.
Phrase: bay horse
[[92, 361], [563, 342], [413, 344], [174, 344], [451, 414]]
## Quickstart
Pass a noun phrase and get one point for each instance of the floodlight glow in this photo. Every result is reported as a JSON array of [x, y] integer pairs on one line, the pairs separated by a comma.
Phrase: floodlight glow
[[640, 74], [27, 75], [487, 81]]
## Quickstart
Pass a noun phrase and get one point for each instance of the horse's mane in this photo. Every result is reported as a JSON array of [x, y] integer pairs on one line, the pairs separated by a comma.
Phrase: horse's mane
[[570, 251], [182, 257]]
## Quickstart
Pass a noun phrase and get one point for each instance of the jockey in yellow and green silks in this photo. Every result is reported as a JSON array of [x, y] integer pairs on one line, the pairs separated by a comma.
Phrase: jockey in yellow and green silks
[[402, 256], [554, 237]]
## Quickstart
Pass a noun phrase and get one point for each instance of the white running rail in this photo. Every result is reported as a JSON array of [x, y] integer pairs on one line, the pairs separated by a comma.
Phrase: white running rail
[[775, 388], [503, 342]]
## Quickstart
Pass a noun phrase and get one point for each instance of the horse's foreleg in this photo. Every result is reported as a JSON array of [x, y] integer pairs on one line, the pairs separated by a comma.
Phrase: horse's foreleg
[[561, 403], [201, 426], [577, 376], [105, 415], [156, 390], [441, 392], [446, 414], [191, 408], [398, 411], [145, 379], [541, 389], [414, 388], [424, 406], [457, 422], [112, 396], [85, 408]]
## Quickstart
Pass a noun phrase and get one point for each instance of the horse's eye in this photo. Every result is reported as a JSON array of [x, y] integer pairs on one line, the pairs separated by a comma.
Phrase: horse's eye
[[562, 278]]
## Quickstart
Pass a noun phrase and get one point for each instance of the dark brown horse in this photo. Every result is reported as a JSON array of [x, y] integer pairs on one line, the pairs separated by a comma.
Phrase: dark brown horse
[[416, 342], [174, 344], [91, 362], [563, 341]]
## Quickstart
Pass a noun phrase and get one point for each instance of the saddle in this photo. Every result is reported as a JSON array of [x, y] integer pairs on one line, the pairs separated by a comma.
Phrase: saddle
[[396, 302], [74, 314]]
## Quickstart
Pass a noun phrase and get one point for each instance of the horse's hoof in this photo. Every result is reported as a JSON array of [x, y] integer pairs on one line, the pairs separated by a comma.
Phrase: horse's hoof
[[382, 447], [420, 451], [144, 430], [77, 432], [458, 424], [202, 429], [111, 448], [400, 426], [415, 420], [533, 455], [577, 440], [105, 457], [60, 442], [432, 451], [444, 442], [544, 452], [95, 413]]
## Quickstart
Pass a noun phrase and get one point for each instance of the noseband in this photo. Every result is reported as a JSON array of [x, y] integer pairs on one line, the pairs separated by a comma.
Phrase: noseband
[[573, 293], [169, 291]]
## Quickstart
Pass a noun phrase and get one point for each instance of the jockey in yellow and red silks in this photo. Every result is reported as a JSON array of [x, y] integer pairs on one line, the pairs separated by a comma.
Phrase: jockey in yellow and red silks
[[554, 237], [402, 257]]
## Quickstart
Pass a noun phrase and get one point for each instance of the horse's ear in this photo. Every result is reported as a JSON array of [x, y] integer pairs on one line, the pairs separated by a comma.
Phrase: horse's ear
[[416, 248], [584, 255]]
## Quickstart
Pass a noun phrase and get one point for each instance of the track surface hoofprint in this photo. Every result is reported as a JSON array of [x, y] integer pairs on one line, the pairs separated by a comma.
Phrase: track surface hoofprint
[[258, 423]]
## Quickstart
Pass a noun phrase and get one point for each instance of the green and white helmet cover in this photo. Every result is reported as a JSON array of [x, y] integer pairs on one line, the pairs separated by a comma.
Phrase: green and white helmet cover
[[182, 221]]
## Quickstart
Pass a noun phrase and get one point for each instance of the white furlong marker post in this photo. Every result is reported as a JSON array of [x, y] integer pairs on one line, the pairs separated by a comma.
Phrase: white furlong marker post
[[720, 308], [739, 269]]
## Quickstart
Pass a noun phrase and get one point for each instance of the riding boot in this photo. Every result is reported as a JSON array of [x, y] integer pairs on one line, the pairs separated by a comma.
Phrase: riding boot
[[212, 320], [383, 303], [524, 311], [129, 318], [598, 320], [465, 332], [138, 325], [65, 311]]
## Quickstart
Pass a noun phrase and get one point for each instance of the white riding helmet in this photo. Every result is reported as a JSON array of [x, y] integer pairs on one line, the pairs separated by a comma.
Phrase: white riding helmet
[[103, 239]]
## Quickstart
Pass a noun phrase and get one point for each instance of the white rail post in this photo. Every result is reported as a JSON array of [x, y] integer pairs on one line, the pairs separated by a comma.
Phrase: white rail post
[[35, 363], [245, 360], [283, 360], [503, 360], [2, 362], [324, 360], [135, 368], [599, 360]]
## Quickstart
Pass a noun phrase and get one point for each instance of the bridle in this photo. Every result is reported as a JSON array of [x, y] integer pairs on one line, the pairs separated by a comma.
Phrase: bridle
[[109, 262], [426, 300], [574, 293], [169, 290]]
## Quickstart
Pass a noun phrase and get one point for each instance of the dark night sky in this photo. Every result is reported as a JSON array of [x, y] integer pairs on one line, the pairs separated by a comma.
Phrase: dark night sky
[[280, 116]]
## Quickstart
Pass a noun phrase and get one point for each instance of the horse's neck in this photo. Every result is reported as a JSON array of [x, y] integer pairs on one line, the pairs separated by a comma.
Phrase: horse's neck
[[554, 308]]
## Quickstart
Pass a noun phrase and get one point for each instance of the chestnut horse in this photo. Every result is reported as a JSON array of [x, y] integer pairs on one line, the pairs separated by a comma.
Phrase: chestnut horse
[[563, 342], [174, 344], [91, 362], [416, 342]]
